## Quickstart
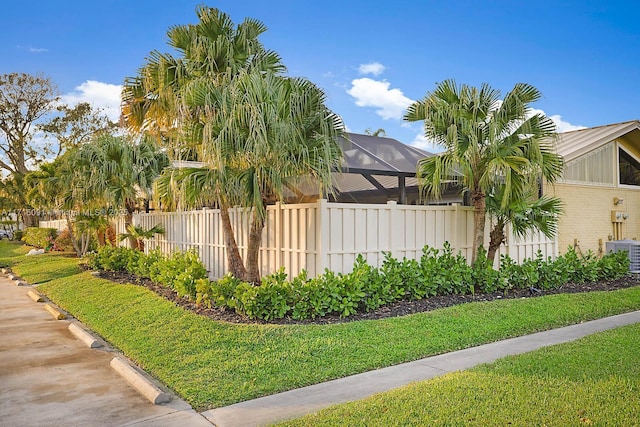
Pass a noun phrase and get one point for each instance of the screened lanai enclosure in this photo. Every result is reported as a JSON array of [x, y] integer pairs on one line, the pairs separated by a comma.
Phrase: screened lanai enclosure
[[374, 170]]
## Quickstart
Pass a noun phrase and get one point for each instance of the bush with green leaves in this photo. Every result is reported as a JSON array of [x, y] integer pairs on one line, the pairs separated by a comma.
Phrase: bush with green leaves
[[180, 271], [365, 288], [39, 237], [18, 235]]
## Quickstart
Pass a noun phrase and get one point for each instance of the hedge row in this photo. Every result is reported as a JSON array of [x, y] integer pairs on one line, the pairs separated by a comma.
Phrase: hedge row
[[181, 271], [437, 272]]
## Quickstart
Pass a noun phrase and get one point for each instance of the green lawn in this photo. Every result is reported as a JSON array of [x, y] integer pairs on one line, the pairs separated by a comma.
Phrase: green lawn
[[212, 364], [592, 381]]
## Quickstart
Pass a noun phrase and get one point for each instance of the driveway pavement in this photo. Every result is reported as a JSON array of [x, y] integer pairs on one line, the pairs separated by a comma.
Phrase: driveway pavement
[[50, 378]]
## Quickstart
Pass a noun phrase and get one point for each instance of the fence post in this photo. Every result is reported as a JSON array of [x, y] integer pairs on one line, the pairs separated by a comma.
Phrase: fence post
[[395, 240], [279, 229], [322, 237]]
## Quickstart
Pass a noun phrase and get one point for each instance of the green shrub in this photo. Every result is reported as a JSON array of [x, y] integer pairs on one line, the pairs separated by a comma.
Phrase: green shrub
[[18, 235], [444, 272], [39, 237], [180, 271], [483, 277], [113, 258], [63, 241], [613, 265], [438, 272]]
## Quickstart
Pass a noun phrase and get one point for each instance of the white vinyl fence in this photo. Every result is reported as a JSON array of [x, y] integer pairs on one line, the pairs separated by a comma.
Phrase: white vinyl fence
[[323, 235]]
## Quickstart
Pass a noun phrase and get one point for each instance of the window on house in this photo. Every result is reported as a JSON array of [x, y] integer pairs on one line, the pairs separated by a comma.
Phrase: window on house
[[629, 168], [596, 167]]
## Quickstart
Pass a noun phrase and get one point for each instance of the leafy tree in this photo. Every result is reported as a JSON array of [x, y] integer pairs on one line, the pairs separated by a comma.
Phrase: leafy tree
[[75, 126], [213, 51], [488, 142], [24, 100]]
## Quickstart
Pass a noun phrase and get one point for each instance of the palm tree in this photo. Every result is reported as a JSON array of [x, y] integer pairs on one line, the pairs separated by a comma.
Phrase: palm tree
[[526, 214], [139, 235], [262, 131], [13, 197], [58, 186], [213, 51], [86, 226], [487, 142], [118, 171]]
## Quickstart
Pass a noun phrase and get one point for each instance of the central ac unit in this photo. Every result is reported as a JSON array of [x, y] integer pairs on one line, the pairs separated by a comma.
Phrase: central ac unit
[[633, 249]]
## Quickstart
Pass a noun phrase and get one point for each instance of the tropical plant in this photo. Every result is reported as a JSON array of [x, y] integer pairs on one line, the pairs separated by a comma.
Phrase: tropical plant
[[252, 128], [488, 142], [139, 235], [13, 198], [93, 225], [117, 171], [527, 214], [262, 131], [213, 51]]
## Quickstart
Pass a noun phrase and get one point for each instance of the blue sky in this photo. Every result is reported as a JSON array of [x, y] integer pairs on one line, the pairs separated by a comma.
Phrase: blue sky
[[372, 58]]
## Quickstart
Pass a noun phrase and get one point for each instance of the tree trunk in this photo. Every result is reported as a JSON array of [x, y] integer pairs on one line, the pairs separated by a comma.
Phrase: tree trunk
[[111, 235], [130, 207], [479, 218], [234, 260], [496, 239], [100, 234], [253, 251], [74, 242]]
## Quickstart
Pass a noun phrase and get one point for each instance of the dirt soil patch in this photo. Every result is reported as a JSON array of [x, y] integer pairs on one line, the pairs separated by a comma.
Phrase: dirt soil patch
[[399, 308]]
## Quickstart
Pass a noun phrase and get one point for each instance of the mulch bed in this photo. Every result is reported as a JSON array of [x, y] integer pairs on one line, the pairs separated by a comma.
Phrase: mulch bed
[[399, 308]]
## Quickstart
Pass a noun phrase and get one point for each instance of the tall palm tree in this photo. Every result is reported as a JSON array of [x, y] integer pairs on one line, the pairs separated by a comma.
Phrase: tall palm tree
[[526, 214], [213, 51], [118, 171], [487, 142], [261, 132]]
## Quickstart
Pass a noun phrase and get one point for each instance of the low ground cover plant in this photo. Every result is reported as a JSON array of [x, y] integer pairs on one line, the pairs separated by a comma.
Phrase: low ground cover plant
[[437, 272]]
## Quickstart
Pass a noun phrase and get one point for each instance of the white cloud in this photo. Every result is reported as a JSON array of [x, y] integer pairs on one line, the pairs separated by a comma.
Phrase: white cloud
[[390, 103], [374, 68], [564, 126], [104, 96], [421, 142], [32, 49]]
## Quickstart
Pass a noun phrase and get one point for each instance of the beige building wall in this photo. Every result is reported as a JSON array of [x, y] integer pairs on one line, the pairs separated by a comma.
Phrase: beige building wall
[[587, 215]]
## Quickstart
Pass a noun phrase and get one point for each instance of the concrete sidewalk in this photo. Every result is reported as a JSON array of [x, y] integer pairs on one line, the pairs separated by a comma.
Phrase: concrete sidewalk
[[295, 403], [50, 378]]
